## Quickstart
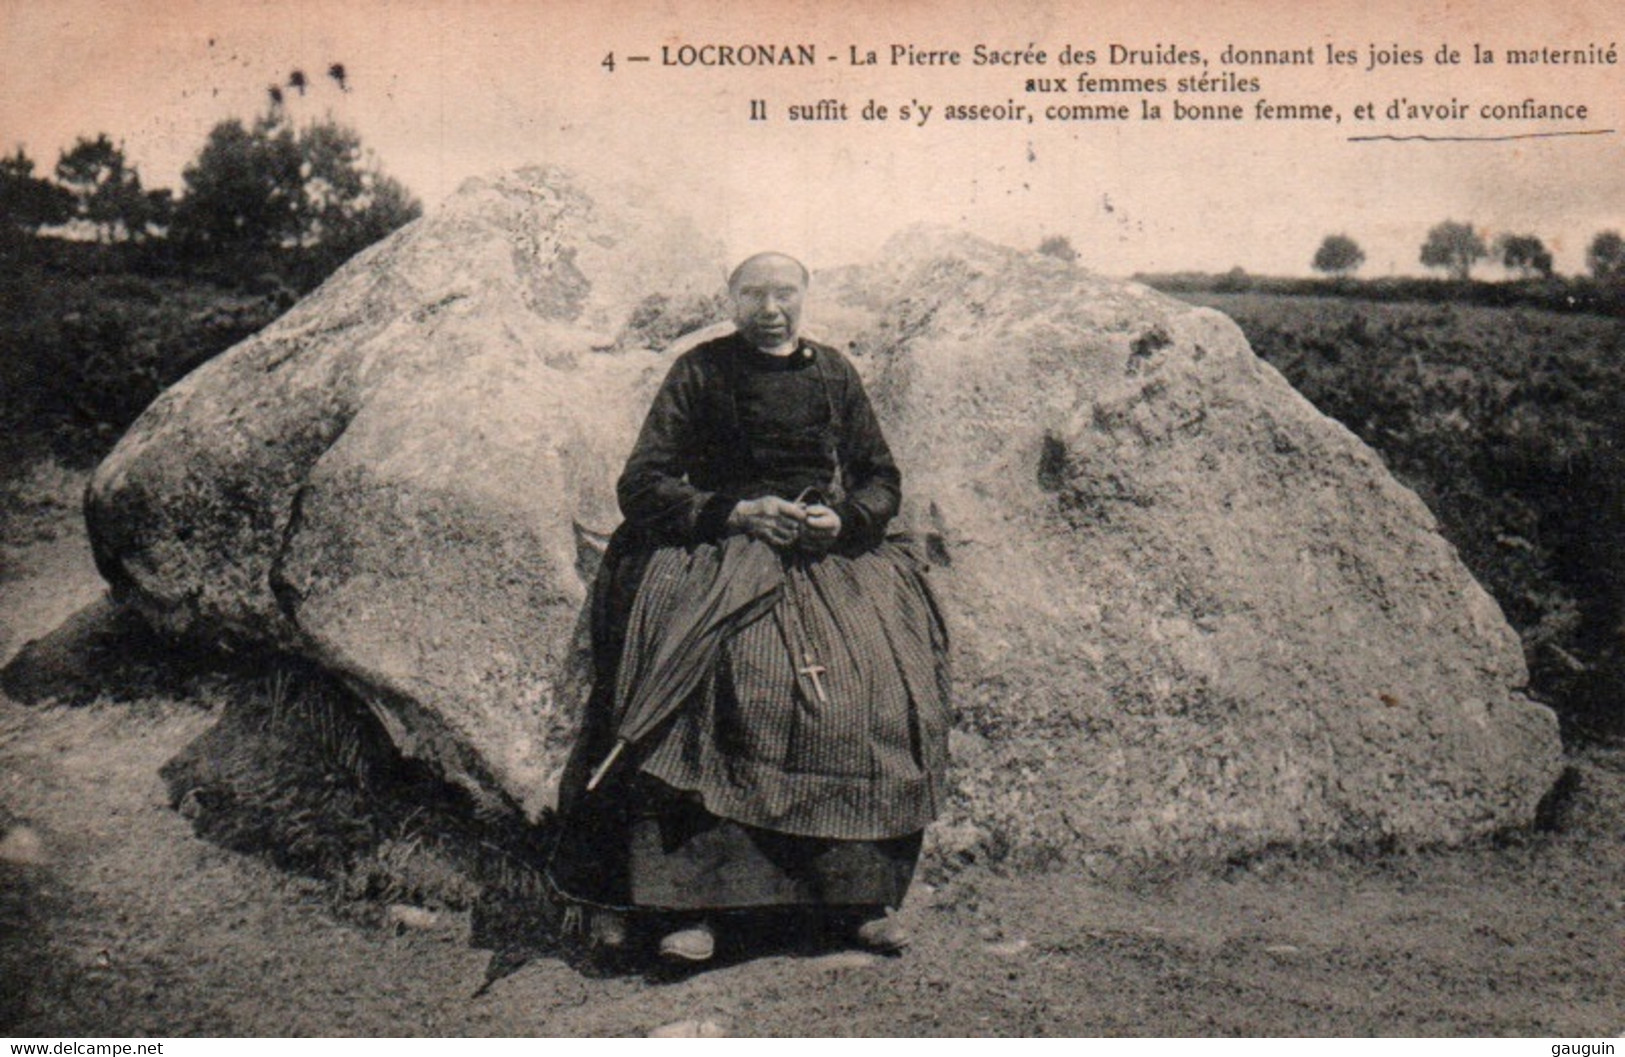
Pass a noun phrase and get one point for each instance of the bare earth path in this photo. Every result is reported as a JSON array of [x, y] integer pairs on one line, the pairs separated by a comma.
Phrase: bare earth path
[[116, 920]]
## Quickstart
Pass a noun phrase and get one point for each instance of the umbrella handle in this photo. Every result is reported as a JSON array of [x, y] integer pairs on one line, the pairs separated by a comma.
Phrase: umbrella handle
[[598, 775]]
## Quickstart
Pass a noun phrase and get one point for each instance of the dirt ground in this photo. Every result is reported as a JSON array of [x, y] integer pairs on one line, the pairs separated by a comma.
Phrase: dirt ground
[[116, 920]]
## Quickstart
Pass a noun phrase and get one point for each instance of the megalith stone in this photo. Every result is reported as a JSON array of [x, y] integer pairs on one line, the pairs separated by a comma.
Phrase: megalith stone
[[385, 479], [1191, 615], [1189, 611]]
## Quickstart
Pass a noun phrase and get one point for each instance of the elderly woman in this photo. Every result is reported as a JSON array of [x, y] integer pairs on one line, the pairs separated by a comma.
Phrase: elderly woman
[[773, 667]]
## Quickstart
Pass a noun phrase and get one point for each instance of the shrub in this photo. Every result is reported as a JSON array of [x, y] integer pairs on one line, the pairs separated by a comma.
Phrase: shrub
[[88, 354]]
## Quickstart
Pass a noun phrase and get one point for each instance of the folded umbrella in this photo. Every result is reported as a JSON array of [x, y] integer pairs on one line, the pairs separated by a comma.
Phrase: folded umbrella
[[735, 588]]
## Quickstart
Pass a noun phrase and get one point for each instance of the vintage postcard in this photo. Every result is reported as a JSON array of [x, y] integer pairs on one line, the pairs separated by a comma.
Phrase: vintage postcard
[[679, 517]]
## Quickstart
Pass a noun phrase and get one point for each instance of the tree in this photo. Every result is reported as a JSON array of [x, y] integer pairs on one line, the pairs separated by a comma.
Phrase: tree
[[106, 191], [1524, 254], [1059, 247], [159, 208], [269, 187], [27, 202], [241, 192], [348, 204], [1453, 247], [1606, 257], [1338, 255]]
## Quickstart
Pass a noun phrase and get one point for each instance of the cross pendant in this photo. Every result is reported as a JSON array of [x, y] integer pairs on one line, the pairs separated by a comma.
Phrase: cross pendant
[[813, 671]]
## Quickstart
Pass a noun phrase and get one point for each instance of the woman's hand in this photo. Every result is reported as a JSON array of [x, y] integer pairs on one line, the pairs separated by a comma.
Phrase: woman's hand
[[821, 528], [771, 518]]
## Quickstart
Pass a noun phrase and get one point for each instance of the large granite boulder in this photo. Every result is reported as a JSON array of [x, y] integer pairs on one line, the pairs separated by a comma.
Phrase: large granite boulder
[[1190, 614]]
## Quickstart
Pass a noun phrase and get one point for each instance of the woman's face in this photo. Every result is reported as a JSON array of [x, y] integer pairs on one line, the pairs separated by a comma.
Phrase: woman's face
[[767, 296]]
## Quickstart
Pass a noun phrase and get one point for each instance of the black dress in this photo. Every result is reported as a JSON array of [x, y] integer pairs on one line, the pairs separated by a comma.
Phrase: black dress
[[804, 767]]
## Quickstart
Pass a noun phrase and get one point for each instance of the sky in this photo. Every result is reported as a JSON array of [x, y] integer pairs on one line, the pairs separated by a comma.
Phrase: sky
[[441, 91]]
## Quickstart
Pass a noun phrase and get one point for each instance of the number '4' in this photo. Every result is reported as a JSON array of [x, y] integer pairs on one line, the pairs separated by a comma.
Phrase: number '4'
[[609, 62]]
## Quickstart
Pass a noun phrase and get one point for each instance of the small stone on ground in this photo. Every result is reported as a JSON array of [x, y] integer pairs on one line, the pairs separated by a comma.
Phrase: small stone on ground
[[690, 1029], [23, 847]]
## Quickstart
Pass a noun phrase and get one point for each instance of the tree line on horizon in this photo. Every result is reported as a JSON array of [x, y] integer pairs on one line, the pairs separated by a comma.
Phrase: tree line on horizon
[[1455, 247], [267, 195], [110, 291], [1451, 246]]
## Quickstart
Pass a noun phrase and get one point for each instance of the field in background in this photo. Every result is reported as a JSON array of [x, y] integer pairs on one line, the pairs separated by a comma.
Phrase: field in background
[[90, 334], [1556, 293]]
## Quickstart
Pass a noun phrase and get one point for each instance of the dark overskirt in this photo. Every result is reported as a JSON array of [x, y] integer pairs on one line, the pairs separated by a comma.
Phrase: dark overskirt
[[767, 786], [654, 848]]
